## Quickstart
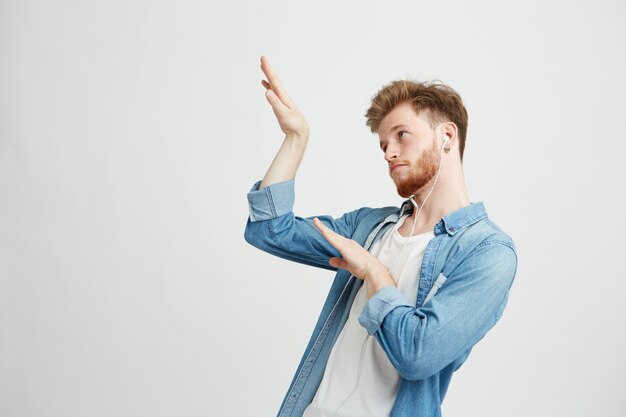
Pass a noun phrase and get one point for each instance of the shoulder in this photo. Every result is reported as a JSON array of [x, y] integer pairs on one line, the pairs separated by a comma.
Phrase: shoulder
[[486, 232], [480, 246]]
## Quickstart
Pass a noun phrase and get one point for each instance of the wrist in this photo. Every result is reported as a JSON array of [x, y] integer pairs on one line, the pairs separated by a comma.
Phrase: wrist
[[377, 278], [300, 136], [296, 143]]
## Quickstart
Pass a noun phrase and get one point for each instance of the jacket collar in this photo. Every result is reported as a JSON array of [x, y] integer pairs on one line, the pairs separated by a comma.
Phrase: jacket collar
[[453, 222]]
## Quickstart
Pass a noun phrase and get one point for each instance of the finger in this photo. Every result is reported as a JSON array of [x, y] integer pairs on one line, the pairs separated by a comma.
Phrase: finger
[[274, 82], [268, 95], [270, 74], [332, 237]]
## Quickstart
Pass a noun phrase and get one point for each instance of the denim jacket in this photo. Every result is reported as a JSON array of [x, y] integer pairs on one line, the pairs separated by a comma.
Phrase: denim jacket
[[467, 270]]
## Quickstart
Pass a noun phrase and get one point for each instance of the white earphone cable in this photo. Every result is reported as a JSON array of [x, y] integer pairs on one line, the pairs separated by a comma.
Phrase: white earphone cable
[[419, 209]]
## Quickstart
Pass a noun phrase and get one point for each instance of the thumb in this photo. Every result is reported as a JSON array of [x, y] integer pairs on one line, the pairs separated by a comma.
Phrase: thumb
[[338, 263], [273, 99]]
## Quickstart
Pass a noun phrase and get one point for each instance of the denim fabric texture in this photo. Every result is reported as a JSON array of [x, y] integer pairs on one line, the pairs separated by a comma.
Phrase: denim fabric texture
[[467, 271]]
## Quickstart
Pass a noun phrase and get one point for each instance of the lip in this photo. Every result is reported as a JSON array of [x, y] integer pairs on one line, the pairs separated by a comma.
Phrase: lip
[[394, 167]]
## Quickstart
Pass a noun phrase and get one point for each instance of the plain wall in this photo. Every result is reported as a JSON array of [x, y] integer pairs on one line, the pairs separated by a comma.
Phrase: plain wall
[[131, 131]]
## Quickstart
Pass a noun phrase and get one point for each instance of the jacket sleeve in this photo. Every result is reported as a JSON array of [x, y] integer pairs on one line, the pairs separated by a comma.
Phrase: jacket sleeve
[[420, 342], [273, 228]]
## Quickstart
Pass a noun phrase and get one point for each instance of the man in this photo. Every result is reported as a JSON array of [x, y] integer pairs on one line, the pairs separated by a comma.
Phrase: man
[[416, 286]]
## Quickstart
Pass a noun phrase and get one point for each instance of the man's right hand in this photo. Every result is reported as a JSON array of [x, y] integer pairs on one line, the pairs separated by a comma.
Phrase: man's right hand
[[291, 121]]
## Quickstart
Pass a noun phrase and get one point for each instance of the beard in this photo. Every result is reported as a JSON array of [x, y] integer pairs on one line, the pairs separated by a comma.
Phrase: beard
[[419, 173]]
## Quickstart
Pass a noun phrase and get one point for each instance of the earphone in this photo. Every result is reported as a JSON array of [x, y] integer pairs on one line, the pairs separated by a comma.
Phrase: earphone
[[444, 144]]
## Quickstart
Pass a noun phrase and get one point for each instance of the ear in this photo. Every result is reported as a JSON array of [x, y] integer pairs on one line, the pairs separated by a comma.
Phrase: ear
[[449, 131]]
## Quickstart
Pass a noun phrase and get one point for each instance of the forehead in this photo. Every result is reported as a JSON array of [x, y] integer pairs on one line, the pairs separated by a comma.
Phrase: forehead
[[403, 114]]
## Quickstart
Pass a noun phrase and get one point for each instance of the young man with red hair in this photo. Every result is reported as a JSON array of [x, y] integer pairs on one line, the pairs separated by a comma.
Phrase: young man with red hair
[[416, 286]]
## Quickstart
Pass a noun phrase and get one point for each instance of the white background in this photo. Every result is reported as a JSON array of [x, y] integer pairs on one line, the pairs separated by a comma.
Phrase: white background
[[131, 131]]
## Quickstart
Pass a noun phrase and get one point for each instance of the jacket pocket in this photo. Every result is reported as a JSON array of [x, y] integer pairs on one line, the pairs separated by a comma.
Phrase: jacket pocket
[[433, 290]]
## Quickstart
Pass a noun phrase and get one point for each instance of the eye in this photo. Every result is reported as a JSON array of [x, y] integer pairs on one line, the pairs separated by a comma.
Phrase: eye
[[401, 132]]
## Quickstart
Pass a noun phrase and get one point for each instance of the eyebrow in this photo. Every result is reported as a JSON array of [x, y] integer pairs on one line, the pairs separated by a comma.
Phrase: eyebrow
[[396, 127]]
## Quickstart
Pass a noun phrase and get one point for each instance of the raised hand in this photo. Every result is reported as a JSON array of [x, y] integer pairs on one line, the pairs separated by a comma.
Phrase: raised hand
[[291, 121]]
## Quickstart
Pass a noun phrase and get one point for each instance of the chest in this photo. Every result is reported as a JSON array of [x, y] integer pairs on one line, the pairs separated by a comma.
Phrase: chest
[[403, 257]]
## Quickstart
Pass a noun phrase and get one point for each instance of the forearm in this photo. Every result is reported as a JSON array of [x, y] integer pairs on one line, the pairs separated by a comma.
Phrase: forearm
[[287, 160], [273, 227], [420, 341]]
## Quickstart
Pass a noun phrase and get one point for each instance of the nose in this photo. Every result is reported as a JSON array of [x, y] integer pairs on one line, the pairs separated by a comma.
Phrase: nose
[[391, 152]]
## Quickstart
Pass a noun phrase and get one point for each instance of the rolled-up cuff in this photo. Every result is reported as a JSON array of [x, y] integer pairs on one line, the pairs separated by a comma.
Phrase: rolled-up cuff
[[377, 308], [272, 201]]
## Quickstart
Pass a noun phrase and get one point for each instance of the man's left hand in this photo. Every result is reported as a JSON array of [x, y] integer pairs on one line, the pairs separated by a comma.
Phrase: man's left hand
[[357, 260]]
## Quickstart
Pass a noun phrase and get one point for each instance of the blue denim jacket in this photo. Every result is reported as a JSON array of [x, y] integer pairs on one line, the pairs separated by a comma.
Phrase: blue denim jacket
[[467, 270]]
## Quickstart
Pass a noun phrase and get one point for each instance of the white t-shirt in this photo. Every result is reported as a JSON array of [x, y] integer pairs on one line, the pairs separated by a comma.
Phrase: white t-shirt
[[359, 380]]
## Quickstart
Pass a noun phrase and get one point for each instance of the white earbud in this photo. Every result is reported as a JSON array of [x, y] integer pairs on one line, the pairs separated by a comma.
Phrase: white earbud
[[444, 144]]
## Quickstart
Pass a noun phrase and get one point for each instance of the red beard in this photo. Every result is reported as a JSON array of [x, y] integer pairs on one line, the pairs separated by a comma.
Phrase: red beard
[[419, 174]]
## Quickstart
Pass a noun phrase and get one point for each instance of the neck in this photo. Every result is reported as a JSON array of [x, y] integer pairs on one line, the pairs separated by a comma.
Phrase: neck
[[450, 194]]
